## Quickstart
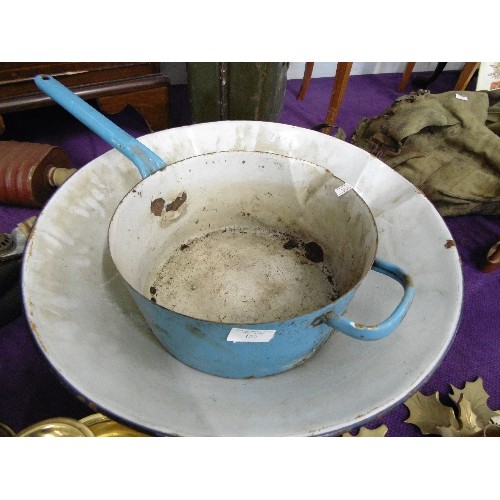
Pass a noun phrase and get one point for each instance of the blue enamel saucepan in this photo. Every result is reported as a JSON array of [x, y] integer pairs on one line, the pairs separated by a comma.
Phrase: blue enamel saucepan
[[242, 262]]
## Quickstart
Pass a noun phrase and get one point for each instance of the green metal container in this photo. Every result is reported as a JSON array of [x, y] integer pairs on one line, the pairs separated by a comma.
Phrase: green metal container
[[236, 90]]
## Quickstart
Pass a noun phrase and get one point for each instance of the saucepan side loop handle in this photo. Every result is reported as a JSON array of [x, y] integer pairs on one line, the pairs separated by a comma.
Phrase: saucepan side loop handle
[[383, 329], [143, 158]]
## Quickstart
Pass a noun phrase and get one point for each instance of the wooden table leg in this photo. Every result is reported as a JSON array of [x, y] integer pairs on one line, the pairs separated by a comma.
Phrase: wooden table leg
[[339, 88], [466, 74], [306, 80], [406, 76]]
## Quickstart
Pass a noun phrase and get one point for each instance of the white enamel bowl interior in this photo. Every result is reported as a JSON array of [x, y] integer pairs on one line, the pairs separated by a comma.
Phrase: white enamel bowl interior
[[93, 335], [242, 237]]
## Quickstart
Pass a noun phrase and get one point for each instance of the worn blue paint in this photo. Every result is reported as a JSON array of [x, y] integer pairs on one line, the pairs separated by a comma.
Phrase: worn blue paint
[[204, 345], [143, 158]]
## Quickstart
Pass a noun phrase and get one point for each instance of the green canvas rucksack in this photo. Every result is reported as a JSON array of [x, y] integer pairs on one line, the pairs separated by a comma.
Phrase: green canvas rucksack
[[448, 145]]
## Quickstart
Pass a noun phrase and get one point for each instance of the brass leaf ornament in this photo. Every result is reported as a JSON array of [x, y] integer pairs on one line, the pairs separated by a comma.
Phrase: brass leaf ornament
[[469, 416], [474, 393], [380, 431], [429, 414]]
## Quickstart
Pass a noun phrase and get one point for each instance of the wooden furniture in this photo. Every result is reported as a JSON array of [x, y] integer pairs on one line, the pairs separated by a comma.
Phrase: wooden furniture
[[339, 87], [406, 76], [463, 80], [342, 77], [465, 76], [113, 85]]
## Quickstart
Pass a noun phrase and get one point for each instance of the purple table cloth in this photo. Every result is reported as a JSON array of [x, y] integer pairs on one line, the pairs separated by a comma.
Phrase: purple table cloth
[[30, 391]]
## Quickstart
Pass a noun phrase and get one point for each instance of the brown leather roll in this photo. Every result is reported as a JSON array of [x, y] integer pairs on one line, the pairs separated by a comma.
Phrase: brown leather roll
[[25, 172]]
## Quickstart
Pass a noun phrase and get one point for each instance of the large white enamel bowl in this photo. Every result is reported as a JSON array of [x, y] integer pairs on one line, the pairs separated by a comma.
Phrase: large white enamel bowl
[[94, 336]]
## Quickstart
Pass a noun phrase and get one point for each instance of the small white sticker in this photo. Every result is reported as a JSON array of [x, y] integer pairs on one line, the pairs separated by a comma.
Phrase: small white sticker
[[242, 335], [461, 97], [343, 189]]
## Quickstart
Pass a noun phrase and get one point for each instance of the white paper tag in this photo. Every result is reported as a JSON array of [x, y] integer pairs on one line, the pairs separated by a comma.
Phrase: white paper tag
[[495, 420], [242, 335], [343, 189], [461, 97]]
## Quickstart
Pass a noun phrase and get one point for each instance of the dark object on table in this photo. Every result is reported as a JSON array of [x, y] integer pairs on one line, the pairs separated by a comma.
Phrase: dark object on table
[[466, 75], [11, 302], [236, 90], [30, 173], [492, 261], [11, 252], [422, 82]]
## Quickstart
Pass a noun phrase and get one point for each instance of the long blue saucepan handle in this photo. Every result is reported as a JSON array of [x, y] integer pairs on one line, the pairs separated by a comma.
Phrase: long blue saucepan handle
[[143, 158]]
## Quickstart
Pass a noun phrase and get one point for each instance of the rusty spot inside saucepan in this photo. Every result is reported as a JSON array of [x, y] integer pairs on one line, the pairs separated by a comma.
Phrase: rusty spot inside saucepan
[[177, 203], [157, 206], [314, 252], [291, 243]]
